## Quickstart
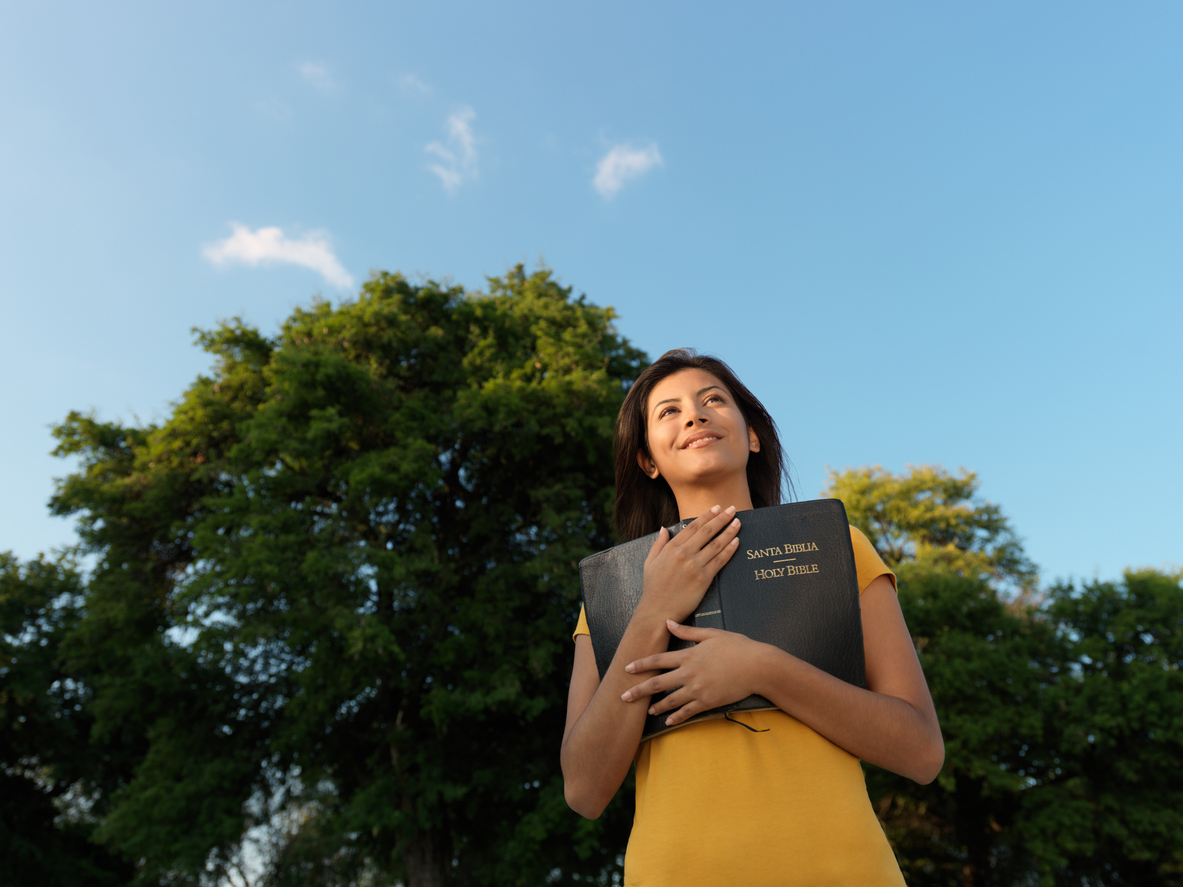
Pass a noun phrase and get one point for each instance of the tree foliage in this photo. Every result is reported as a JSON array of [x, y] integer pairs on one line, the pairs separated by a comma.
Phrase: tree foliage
[[1061, 712], [50, 796], [323, 636], [1117, 720], [335, 589], [931, 518]]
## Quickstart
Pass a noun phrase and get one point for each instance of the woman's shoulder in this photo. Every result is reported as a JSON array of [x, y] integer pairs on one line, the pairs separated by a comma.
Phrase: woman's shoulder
[[867, 563]]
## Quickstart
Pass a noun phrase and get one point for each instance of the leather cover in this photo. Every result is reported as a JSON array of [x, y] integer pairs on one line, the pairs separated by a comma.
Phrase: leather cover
[[792, 583]]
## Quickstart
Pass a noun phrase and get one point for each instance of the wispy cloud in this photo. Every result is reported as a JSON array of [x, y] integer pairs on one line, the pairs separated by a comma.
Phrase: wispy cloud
[[456, 158], [267, 246], [319, 77], [621, 163], [412, 84]]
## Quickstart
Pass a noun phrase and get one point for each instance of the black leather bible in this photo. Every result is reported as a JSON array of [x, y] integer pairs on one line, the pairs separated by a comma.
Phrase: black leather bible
[[792, 583]]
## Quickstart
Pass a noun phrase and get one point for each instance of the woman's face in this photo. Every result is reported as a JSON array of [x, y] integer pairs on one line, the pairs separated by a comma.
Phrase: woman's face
[[696, 431]]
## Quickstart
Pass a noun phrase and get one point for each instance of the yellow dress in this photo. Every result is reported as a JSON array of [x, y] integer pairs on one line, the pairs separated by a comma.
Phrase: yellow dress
[[718, 804]]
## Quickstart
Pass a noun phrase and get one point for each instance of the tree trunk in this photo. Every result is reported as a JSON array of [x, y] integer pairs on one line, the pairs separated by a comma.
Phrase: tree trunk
[[971, 822], [426, 860]]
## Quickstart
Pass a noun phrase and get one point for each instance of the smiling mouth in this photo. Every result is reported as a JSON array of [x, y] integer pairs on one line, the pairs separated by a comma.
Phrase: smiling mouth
[[700, 442]]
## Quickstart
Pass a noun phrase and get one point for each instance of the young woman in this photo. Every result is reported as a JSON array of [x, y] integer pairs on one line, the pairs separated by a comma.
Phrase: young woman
[[717, 803]]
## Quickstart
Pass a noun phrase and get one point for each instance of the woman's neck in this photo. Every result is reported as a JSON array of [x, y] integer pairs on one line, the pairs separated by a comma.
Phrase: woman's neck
[[695, 500]]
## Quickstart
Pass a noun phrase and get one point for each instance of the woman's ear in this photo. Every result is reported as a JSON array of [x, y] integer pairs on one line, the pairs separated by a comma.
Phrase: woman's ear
[[753, 441], [647, 465]]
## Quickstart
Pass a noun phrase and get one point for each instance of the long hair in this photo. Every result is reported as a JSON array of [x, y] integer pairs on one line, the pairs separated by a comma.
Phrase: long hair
[[643, 504]]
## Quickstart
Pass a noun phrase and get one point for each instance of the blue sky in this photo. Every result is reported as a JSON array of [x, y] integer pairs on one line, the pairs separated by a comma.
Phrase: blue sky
[[921, 232]]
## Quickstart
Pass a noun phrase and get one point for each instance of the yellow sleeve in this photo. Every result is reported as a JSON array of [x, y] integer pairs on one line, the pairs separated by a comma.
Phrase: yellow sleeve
[[867, 562], [581, 628]]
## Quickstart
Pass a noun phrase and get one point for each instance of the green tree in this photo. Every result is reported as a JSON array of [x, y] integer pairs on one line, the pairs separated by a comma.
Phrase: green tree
[[334, 590], [49, 797], [1061, 711], [1112, 813], [988, 661], [931, 518], [989, 667]]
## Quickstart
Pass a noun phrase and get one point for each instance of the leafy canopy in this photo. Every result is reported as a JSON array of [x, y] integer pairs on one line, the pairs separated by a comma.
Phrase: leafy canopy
[[928, 517], [1062, 713], [335, 588]]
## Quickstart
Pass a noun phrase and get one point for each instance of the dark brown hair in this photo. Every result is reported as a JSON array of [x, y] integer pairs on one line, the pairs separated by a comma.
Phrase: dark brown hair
[[644, 504]]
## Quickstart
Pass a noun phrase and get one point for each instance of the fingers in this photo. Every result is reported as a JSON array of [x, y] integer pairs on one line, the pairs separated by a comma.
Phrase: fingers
[[685, 712], [725, 550], [643, 690], [656, 662], [666, 663], [697, 678], [648, 687], [706, 525], [671, 658], [678, 695], [669, 665], [680, 699], [724, 545], [686, 633], [712, 538], [679, 568], [681, 704], [663, 537]]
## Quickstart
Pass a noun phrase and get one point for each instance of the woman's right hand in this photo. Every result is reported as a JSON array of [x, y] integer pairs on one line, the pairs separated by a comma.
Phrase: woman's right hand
[[678, 571]]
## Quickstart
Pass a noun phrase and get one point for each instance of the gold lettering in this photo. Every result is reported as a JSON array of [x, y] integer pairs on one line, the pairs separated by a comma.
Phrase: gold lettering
[[799, 547], [780, 572], [755, 554]]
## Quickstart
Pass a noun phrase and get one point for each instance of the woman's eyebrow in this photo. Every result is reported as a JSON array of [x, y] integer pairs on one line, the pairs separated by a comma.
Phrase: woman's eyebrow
[[699, 393], [667, 400]]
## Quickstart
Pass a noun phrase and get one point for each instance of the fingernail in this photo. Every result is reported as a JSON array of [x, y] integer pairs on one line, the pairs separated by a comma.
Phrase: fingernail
[[652, 710], [735, 523], [630, 668], [715, 509], [731, 509], [626, 696], [670, 623]]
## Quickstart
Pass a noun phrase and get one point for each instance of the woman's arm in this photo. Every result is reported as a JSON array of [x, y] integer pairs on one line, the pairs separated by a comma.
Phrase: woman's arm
[[603, 731], [891, 724]]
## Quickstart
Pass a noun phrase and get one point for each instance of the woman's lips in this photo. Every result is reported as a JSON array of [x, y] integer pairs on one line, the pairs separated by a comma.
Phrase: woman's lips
[[703, 441]]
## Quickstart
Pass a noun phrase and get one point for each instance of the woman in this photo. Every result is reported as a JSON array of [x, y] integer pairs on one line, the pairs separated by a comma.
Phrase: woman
[[717, 803]]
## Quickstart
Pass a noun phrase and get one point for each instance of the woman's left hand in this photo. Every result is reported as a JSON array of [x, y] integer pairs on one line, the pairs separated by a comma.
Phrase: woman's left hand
[[717, 670]]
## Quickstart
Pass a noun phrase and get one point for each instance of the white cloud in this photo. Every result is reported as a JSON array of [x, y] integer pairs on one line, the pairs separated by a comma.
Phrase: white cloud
[[267, 246], [622, 163], [412, 84], [457, 158], [318, 76]]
